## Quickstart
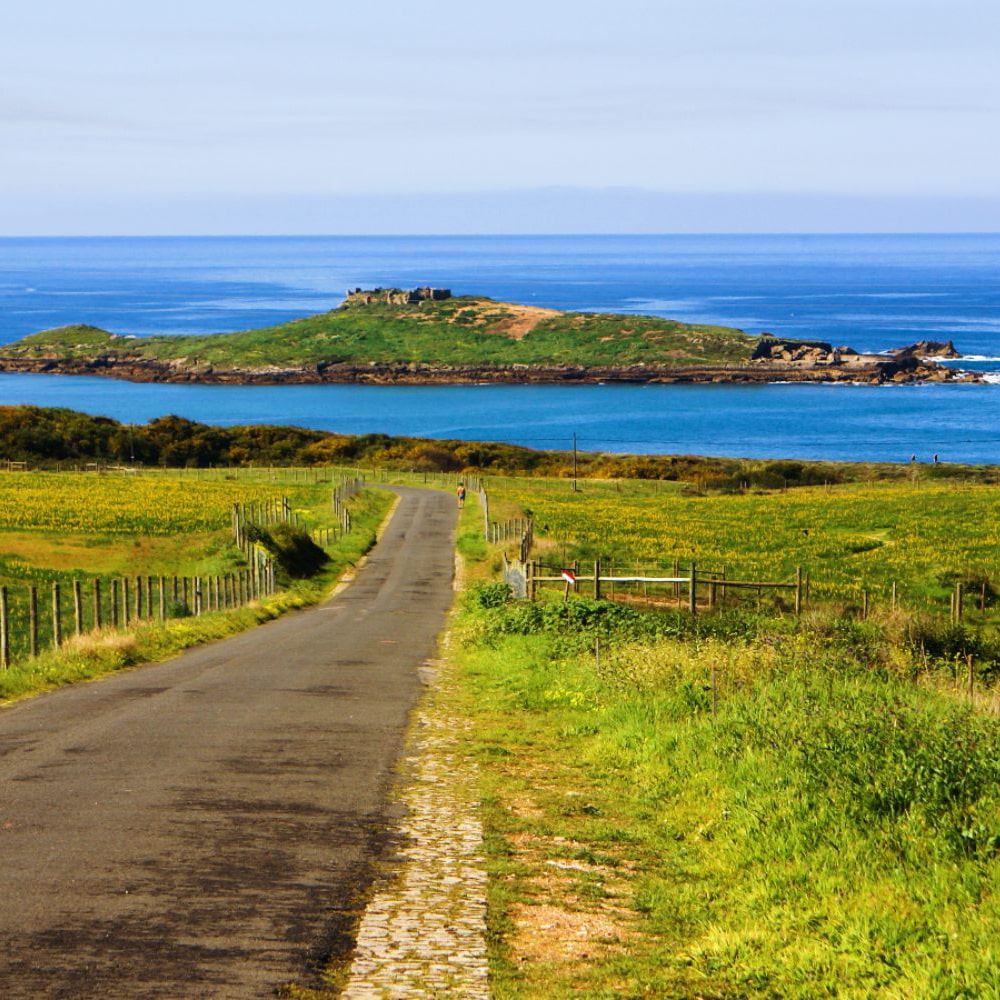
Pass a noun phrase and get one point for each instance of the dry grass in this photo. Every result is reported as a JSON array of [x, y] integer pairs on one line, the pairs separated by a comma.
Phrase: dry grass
[[553, 934], [92, 643]]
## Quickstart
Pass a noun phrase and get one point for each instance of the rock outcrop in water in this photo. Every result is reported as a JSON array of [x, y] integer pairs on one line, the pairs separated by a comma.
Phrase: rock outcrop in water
[[817, 361], [927, 349]]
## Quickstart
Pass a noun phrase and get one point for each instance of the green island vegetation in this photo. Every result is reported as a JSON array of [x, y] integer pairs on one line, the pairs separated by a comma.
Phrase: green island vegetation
[[452, 332], [84, 528], [741, 802]]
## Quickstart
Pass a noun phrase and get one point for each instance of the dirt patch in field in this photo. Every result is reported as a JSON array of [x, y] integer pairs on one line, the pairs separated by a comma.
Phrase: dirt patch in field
[[521, 320], [527, 809], [547, 933]]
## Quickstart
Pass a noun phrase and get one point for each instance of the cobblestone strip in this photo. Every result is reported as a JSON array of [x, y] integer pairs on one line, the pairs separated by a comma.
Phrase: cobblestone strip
[[423, 933]]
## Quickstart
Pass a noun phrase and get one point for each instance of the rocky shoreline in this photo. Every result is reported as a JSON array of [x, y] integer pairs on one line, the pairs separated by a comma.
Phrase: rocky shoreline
[[775, 361]]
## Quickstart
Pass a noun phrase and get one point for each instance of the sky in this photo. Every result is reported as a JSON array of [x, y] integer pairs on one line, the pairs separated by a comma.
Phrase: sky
[[546, 116]]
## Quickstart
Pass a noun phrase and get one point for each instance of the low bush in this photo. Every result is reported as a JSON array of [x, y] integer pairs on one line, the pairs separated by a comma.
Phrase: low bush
[[297, 555]]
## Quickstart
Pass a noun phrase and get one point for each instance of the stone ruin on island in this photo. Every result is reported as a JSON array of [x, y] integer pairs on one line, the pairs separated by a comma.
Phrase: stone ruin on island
[[396, 296]]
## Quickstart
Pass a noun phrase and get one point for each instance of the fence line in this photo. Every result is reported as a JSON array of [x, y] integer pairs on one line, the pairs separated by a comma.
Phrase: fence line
[[101, 603], [91, 606], [349, 487], [519, 529], [525, 577]]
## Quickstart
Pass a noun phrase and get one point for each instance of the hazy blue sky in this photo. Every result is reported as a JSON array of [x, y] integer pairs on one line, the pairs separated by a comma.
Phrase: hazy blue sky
[[308, 116]]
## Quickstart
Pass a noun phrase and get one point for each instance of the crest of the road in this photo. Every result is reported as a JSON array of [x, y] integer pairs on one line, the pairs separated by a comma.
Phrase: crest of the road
[[206, 827]]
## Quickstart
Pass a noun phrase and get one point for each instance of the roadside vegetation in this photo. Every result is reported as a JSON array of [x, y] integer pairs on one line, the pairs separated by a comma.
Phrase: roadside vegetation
[[740, 803]]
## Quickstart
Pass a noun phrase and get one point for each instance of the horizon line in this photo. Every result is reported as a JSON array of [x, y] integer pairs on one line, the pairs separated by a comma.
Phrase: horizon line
[[500, 235]]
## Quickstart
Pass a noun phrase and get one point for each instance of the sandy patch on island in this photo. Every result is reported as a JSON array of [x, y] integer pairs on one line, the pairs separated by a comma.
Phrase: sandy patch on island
[[521, 320]]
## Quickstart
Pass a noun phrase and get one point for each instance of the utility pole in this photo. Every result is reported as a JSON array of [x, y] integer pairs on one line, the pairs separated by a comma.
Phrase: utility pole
[[574, 463]]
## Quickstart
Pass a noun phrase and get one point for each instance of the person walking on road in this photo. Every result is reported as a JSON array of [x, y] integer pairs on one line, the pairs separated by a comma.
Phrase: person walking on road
[[461, 495]]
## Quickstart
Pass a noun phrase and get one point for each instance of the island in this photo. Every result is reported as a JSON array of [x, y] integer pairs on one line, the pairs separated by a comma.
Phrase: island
[[428, 336]]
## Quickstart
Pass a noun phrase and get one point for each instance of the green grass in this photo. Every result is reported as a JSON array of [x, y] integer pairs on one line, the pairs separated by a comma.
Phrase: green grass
[[830, 829], [96, 653], [923, 535], [461, 331]]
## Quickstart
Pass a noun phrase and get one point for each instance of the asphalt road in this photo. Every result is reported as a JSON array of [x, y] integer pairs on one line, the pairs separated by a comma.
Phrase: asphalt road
[[207, 827]]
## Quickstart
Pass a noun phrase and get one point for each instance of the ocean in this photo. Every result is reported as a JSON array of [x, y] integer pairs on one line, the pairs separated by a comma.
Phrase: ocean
[[872, 292]]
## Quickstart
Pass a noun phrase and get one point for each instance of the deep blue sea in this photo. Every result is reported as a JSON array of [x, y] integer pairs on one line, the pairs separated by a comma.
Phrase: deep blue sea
[[872, 292]]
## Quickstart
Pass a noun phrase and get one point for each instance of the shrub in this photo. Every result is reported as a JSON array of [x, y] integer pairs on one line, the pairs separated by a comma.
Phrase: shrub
[[489, 595], [296, 554]]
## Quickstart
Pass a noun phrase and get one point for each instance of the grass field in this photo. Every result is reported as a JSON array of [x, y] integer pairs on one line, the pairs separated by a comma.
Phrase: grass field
[[924, 536], [65, 526], [62, 527], [742, 804]]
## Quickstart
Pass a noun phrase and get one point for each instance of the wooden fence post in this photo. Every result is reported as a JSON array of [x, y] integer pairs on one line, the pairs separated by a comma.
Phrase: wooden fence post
[[77, 608], [56, 617], [33, 619], [4, 630], [162, 587], [798, 590], [114, 603], [693, 591], [597, 579], [97, 603], [125, 602]]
